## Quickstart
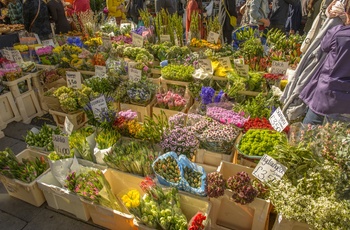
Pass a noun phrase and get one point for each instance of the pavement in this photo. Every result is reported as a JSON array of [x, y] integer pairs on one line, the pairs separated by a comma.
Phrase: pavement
[[19, 215]]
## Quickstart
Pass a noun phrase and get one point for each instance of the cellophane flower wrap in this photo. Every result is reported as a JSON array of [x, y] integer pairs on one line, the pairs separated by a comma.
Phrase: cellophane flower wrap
[[92, 185], [181, 141], [170, 100], [215, 136], [197, 221]]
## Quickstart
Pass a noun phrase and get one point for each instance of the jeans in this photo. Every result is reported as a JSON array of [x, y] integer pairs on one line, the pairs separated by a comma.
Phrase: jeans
[[313, 118]]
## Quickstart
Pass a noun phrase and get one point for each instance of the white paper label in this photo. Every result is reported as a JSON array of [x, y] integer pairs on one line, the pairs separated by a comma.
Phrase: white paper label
[[205, 64], [165, 38], [278, 120], [268, 169], [242, 70], [225, 62], [279, 67], [68, 126], [107, 42], [61, 144], [238, 61], [213, 37], [135, 74], [37, 38], [137, 40], [73, 79], [7, 54], [98, 106], [100, 71], [48, 42], [16, 55]]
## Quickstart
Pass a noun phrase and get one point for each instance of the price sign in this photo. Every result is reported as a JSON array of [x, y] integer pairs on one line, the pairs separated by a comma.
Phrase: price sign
[[107, 42], [137, 40], [268, 169], [225, 62], [238, 61], [68, 126], [279, 67], [213, 37], [98, 106], [242, 70], [278, 120], [61, 144], [7, 54], [205, 64], [73, 79], [48, 42], [37, 38], [135, 74], [165, 38], [16, 55], [125, 25], [100, 71]]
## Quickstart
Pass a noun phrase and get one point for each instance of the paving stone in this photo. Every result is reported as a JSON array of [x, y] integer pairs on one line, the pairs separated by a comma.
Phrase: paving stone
[[52, 220], [8, 222], [7, 142], [19, 147], [17, 130]]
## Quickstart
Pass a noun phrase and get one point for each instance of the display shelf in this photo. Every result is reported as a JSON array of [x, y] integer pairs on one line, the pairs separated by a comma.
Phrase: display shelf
[[14, 87], [28, 106], [9, 111]]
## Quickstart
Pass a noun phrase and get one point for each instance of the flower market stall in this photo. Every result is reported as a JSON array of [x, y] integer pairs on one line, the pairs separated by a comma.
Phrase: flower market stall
[[154, 133]]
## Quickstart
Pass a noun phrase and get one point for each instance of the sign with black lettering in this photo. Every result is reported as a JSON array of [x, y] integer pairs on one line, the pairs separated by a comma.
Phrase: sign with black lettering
[[7, 54], [225, 62], [98, 106], [279, 67], [165, 38], [137, 40], [73, 79], [48, 42], [278, 120], [213, 37], [68, 126], [61, 144], [100, 71], [268, 169], [16, 55], [242, 70], [205, 64]]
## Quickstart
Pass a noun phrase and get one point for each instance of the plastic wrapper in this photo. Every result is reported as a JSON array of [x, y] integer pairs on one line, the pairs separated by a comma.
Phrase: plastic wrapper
[[100, 154], [198, 221], [61, 168], [185, 162]]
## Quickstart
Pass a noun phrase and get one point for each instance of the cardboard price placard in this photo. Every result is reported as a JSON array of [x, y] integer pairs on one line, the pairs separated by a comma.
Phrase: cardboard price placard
[[242, 70], [48, 42], [107, 42], [278, 120], [73, 79], [61, 144], [279, 67], [213, 37], [98, 105], [225, 62], [165, 38], [100, 71], [135, 74], [68, 126], [16, 55], [7, 54], [205, 64], [268, 169], [137, 40], [238, 61]]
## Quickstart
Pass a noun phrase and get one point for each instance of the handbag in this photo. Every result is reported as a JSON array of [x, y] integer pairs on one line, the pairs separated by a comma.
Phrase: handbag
[[233, 19]]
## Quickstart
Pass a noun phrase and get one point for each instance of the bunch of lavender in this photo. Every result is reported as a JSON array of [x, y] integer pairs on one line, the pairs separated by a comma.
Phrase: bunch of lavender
[[181, 141], [215, 185], [226, 116], [242, 188]]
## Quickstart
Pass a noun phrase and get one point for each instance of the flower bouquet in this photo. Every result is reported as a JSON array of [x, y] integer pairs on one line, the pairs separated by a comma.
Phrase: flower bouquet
[[41, 139], [45, 55], [170, 100], [178, 73], [82, 143], [141, 92], [126, 123], [53, 78], [105, 140], [66, 54], [226, 116]]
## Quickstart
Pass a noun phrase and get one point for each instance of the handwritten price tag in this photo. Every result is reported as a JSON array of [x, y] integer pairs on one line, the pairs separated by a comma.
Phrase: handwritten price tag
[[135, 74], [7, 54], [73, 79], [100, 71], [278, 120], [242, 70], [165, 38], [98, 106], [61, 144], [48, 42], [268, 169], [205, 64], [213, 37], [225, 62], [16, 55], [137, 40], [238, 61], [279, 67], [68, 126], [107, 42]]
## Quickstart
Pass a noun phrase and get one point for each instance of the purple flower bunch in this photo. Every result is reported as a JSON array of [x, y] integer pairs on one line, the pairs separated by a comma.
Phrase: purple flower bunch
[[207, 94], [178, 120], [46, 50], [128, 114], [243, 191], [181, 141], [171, 101], [226, 116]]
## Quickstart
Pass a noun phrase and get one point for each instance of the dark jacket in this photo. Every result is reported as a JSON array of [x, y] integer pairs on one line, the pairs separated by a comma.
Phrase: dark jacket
[[58, 16], [40, 24], [133, 9], [328, 92], [279, 12]]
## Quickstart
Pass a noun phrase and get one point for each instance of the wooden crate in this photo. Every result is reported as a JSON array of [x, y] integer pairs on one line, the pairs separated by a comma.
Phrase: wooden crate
[[13, 85], [9, 111], [169, 112], [209, 158], [142, 111], [284, 224], [28, 106], [164, 84], [78, 119], [39, 91], [41, 66]]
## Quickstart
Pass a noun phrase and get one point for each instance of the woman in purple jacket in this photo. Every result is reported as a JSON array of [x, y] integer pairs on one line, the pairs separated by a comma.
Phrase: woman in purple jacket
[[328, 92]]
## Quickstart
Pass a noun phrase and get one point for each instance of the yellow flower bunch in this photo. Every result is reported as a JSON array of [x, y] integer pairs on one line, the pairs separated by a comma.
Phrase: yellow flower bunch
[[97, 41], [57, 49], [219, 70], [204, 43], [131, 199], [21, 48], [134, 127]]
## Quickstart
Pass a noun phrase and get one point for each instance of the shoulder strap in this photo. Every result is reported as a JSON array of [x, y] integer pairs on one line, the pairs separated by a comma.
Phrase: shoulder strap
[[223, 3], [36, 16]]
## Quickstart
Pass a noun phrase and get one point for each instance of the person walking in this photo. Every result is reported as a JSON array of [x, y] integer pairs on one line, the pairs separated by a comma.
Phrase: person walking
[[169, 5], [228, 19], [255, 12], [116, 8], [58, 16], [279, 13], [133, 8], [15, 11]]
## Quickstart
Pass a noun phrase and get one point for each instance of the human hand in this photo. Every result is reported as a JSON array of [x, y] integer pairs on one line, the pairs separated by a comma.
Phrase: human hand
[[266, 22], [304, 6]]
